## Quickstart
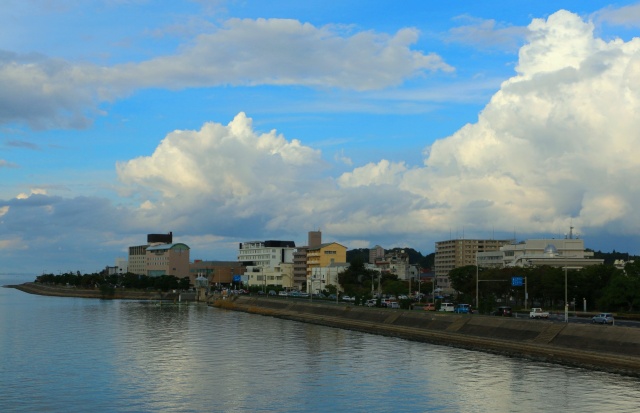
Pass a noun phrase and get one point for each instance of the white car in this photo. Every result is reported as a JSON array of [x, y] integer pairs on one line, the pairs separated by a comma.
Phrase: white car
[[602, 318]]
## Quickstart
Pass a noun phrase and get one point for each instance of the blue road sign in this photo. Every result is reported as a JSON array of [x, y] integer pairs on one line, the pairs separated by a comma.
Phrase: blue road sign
[[516, 281]]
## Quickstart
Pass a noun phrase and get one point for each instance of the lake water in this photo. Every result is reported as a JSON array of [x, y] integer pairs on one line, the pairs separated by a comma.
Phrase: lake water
[[88, 355]]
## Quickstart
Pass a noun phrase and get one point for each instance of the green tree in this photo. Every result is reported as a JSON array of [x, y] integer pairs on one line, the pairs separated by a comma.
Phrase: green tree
[[623, 290], [463, 279]]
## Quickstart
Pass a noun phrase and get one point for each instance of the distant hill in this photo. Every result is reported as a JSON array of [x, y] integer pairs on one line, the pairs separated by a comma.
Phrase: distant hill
[[610, 257], [427, 261]]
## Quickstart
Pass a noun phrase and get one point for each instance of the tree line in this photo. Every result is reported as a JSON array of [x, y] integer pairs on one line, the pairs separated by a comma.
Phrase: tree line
[[604, 287], [104, 281]]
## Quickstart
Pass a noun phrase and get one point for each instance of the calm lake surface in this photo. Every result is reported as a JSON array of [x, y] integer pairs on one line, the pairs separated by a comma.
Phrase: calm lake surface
[[81, 355]]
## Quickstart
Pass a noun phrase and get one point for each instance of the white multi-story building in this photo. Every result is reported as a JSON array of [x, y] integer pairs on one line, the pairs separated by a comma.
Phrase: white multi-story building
[[266, 254], [279, 276], [321, 277], [268, 262], [560, 252]]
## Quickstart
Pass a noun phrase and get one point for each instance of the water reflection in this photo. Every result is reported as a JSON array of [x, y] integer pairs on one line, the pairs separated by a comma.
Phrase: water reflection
[[75, 355]]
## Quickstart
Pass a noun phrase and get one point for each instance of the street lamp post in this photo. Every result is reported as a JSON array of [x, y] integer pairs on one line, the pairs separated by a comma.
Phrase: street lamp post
[[477, 283], [566, 304]]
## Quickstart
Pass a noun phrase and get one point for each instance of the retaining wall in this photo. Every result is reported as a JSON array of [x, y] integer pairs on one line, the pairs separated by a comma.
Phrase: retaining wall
[[608, 348]]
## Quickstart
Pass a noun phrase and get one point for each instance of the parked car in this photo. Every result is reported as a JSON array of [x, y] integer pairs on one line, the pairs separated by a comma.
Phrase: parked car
[[538, 313], [282, 293], [272, 292], [602, 318], [463, 309], [371, 303], [393, 304], [449, 307], [430, 307], [348, 298], [503, 311]]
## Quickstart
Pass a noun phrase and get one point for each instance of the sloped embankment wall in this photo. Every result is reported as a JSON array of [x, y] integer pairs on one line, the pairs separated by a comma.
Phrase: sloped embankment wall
[[609, 348]]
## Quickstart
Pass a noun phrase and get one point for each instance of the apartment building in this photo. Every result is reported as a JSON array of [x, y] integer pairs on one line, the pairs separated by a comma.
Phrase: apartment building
[[321, 277], [456, 253], [325, 255], [376, 254], [554, 252], [137, 261], [266, 254], [300, 259], [160, 256], [168, 259], [280, 276], [397, 263], [267, 262]]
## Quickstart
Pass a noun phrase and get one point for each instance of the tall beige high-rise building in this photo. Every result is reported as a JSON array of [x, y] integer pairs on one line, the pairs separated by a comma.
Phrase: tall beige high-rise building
[[459, 253]]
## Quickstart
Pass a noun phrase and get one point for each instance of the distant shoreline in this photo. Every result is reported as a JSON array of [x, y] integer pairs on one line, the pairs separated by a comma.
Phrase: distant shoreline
[[60, 291]]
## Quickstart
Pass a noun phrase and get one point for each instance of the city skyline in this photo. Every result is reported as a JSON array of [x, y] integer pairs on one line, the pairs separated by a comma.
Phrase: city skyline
[[227, 121]]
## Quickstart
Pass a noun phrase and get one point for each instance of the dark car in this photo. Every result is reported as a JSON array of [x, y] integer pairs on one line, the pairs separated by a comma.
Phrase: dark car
[[503, 311]]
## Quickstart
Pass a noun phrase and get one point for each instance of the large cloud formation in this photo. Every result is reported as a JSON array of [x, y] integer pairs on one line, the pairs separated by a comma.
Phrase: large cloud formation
[[558, 142], [45, 92], [557, 145]]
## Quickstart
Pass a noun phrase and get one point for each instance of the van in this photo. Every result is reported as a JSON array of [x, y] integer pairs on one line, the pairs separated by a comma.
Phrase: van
[[463, 309], [447, 307]]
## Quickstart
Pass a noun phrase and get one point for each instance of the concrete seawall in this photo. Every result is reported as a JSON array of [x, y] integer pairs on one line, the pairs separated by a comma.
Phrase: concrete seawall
[[607, 348]]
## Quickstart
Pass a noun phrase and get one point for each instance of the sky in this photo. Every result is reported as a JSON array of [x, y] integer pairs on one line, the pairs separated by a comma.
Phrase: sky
[[385, 123]]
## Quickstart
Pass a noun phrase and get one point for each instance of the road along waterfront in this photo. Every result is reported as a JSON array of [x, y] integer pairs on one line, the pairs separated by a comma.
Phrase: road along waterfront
[[609, 348], [60, 354]]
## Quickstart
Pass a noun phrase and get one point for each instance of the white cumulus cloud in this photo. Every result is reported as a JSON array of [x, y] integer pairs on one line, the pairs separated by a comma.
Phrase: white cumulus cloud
[[556, 145]]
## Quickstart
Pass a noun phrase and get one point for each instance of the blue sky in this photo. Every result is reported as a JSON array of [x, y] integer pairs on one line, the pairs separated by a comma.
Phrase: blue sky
[[379, 123]]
